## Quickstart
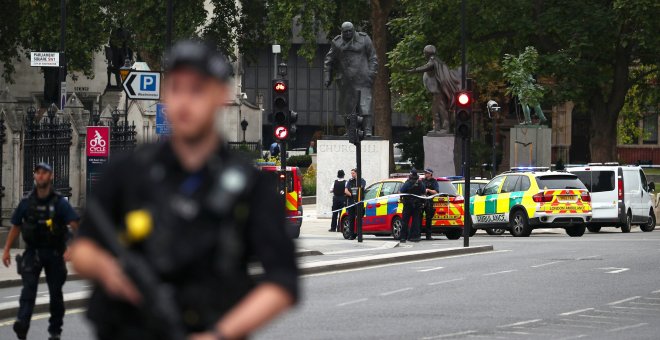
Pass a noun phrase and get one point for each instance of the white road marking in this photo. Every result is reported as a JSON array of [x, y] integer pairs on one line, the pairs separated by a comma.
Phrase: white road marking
[[351, 302], [645, 303], [442, 336], [44, 316], [576, 311], [614, 270], [656, 291], [502, 272], [12, 296], [589, 321], [429, 269], [587, 257], [627, 327], [621, 312], [574, 337], [604, 317], [546, 264], [445, 281], [624, 300], [639, 308], [520, 323], [396, 291]]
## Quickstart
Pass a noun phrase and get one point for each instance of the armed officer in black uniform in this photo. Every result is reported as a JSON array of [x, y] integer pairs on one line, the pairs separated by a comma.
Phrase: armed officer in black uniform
[[170, 229], [412, 208], [42, 218], [351, 192], [338, 199], [431, 187]]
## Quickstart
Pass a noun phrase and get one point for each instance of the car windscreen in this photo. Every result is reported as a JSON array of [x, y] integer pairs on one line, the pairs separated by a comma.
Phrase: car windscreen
[[597, 180], [289, 179], [447, 188], [559, 182]]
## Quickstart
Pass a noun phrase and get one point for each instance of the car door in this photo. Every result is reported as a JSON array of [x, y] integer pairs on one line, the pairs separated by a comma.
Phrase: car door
[[484, 205], [509, 193], [380, 204], [370, 197]]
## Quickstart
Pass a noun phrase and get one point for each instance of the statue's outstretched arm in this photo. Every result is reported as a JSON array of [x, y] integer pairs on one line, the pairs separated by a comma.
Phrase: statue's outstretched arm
[[424, 68], [327, 65]]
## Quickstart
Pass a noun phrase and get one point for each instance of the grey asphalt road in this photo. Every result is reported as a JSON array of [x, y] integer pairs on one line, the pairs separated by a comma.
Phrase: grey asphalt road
[[548, 286]]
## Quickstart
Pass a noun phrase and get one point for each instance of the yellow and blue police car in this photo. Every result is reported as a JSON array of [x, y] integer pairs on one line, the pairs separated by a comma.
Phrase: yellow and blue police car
[[383, 211], [522, 200]]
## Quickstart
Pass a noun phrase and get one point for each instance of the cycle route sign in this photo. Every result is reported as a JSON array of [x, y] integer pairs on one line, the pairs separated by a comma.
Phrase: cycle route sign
[[97, 149]]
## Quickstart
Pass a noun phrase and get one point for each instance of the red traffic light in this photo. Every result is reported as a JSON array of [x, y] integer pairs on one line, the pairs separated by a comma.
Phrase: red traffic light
[[279, 86], [464, 98]]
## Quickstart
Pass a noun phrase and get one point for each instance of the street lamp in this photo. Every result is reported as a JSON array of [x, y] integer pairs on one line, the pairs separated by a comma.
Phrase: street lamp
[[124, 71], [493, 108], [244, 125]]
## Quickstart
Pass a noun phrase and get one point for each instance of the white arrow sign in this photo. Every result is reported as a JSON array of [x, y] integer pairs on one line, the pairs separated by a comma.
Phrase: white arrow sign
[[614, 270], [142, 85]]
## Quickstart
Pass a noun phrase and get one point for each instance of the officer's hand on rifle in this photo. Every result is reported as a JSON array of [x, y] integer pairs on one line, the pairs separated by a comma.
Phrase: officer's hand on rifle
[[116, 282]]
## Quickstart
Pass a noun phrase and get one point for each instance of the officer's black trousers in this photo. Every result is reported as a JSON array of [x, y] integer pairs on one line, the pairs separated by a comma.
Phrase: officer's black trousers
[[429, 211], [412, 220], [52, 261], [338, 202]]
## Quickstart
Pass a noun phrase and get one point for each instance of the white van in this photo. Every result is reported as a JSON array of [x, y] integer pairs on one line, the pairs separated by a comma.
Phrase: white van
[[620, 196]]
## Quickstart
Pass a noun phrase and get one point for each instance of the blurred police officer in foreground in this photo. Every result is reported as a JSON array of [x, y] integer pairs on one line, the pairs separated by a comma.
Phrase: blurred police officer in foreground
[[196, 213], [412, 208], [338, 199], [42, 218], [351, 192], [431, 187]]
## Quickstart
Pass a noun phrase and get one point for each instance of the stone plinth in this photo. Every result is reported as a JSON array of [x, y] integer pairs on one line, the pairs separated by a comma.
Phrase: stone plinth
[[333, 155], [439, 155], [530, 145]]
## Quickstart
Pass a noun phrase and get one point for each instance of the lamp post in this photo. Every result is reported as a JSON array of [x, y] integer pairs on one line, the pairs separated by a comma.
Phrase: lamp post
[[493, 109], [244, 125], [124, 71]]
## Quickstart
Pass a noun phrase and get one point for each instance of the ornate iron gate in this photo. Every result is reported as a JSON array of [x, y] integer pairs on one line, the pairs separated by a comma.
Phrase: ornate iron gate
[[47, 140], [122, 135]]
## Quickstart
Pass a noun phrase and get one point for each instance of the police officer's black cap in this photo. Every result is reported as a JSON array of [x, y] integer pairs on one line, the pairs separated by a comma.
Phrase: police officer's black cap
[[428, 171], [413, 172], [200, 56], [43, 166]]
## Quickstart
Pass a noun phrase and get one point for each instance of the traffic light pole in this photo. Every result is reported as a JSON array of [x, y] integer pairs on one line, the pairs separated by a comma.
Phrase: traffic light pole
[[467, 218], [359, 207]]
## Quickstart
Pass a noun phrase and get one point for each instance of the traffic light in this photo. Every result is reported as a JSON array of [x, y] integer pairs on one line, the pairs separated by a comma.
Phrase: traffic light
[[464, 113], [280, 101], [355, 128], [292, 119], [281, 182]]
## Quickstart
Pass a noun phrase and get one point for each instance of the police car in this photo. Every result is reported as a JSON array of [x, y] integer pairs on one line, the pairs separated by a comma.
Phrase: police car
[[525, 199], [383, 211]]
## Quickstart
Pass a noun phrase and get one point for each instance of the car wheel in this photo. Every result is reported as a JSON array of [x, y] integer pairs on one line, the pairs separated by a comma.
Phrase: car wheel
[[650, 225], [346, 229], [519, 226], [593, 229], [495, 231], [453, 234], [576, 231], [397, 224], [628, 225]]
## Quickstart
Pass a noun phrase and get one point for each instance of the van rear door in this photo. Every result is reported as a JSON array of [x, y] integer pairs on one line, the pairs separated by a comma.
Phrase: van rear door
[[601, 185]]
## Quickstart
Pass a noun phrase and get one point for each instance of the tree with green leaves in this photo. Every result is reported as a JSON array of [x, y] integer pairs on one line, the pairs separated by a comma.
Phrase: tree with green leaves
[[587, 49]]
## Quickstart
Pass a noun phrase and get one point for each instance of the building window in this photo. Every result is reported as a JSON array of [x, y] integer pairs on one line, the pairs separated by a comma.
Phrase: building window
[[650, 128]]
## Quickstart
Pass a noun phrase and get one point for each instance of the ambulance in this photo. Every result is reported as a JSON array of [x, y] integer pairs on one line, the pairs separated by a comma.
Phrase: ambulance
[[290, 185], [529, 198]]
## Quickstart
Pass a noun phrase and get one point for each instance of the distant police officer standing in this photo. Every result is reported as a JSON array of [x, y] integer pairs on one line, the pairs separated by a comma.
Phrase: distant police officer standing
[[42, 218], [431, 187], [193, 214], [338, 198], [351, 191], [412, 208]]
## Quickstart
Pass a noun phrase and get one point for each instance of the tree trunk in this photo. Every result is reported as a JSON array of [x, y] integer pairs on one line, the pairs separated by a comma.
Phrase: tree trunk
[[602, 143], [380, 11]]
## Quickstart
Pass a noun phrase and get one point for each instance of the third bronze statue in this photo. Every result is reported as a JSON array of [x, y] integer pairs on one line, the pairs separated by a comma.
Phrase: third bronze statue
[[353, 64], [443, 83]]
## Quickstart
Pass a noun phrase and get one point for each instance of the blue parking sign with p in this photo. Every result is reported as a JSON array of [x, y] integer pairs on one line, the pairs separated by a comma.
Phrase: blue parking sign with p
[[147, 82], [162, 125]]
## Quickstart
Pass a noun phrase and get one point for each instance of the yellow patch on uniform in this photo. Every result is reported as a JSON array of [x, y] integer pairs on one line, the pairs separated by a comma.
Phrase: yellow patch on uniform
[[503, 203], [139, 225]]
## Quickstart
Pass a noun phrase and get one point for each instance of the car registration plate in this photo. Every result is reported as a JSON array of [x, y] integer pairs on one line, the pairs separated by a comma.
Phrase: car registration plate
[[440, 205], [567, 198]]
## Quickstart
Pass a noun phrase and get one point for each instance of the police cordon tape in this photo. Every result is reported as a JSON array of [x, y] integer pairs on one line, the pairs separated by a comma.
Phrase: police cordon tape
[[356, 203]]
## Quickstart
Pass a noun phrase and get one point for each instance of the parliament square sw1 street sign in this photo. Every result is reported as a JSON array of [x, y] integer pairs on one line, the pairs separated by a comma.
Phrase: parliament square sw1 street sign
[[142, 85]]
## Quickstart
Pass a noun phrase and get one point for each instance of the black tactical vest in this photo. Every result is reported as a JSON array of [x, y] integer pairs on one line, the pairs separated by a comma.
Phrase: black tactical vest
[[40, 228], [338, 188]]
